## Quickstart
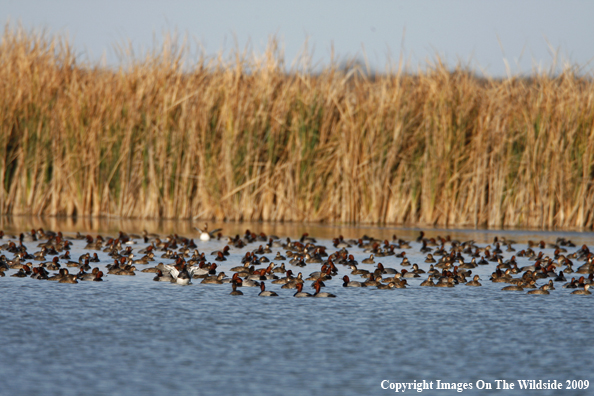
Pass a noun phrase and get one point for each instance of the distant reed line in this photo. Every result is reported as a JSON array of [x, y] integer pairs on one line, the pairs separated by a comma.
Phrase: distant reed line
[[246, 140]]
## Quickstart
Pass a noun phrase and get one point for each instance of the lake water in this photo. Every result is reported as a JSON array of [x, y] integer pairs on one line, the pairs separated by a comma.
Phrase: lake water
[[130, 335]]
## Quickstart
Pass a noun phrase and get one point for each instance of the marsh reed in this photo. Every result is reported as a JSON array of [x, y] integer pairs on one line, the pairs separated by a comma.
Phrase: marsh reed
[[245, 139]]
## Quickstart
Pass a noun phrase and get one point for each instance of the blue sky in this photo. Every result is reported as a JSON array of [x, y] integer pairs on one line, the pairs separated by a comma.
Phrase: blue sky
[[482, 34]]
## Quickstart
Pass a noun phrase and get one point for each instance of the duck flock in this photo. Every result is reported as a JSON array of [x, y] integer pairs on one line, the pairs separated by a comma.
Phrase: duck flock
[[270, 264]]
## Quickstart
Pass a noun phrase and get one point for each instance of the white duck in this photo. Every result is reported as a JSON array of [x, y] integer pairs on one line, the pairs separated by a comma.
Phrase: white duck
[[206, 235], [183, 277]]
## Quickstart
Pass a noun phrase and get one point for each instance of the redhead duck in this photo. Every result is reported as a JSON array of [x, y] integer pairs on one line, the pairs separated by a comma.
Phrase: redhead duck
[[236, 292], [98, 277], [349, 283], [180, 276], [317, 286], [300, 293], [266, 293], [386, 271], [247, 282], [161, 277], [83, 276], [406, 274]]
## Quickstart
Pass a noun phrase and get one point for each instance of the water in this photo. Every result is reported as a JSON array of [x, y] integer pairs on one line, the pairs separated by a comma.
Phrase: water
[[130, 335]]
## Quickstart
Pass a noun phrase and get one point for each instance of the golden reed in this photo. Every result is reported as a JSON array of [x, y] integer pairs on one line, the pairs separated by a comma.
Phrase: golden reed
[[246, 140]]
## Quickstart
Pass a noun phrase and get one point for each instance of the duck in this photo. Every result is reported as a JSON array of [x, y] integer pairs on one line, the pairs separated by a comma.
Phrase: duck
[[373, 281], [236, 292], [406, 274], [182, 276], [513, 288], [542, 290], [474, 281], [288, 278], [83, 276], [428, 282], [214, 280], [317, 286], [368, 260], [300, 293], [68, 278], [585, 291], [161, 277], [250, 283], [98, 277], [400, 285], [349, 283], [266, 293], [279, 257], [386, 271], [388, 286], [206, 235], [445, 282], [61, 273], [292, 284], [20, 274]]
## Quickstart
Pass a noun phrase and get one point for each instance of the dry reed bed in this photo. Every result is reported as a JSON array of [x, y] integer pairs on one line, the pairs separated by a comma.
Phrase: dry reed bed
[[244, 140]]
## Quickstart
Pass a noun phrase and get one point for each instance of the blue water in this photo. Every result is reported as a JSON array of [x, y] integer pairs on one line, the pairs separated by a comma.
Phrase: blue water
[[130, 335]]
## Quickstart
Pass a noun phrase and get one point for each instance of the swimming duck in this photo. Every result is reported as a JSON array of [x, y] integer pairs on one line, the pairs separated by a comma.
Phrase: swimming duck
[[474, 281], [445, 282], [542, 290], [317, 286], [181, 276], [206, 235], [300, 293], [266, 293], [585, 291], [349, 283], [388, 286], [214, 280], [236, 292], [428, 282], [161, 277], [83, 276], [68, 278], [513, 288], [368, 260]]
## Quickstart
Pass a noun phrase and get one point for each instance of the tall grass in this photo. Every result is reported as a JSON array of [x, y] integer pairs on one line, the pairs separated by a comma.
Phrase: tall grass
[[243, 139]]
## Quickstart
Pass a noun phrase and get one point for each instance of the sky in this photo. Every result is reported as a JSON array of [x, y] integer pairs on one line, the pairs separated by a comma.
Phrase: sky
[[495, 38]]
